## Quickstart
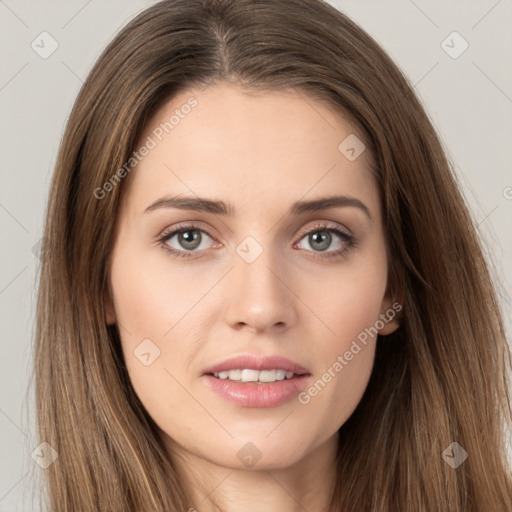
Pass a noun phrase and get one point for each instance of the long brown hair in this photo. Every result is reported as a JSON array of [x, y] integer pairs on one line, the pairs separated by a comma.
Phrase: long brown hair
[[441, 378]]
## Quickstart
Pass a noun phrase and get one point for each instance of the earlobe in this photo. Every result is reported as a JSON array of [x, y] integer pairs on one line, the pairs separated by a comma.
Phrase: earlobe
[[393, 303], [389, 326], [391, 314]]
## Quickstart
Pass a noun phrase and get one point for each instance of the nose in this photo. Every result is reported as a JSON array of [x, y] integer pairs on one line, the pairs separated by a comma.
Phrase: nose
[[260, 296]]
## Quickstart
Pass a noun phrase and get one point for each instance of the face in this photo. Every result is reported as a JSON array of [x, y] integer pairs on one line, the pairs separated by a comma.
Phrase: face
[[290, 288]]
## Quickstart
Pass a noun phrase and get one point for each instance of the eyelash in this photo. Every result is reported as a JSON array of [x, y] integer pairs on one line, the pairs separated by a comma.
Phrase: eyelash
[[348, 239]]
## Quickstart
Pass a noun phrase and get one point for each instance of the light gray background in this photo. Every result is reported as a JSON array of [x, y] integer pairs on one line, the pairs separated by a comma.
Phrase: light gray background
[[468, 98]]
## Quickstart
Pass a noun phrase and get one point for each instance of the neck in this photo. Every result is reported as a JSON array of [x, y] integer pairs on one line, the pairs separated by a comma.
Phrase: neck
[[305, 485]]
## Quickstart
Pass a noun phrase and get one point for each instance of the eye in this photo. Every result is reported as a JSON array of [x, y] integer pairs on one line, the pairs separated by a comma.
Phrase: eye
[[189, 239], [320, 238]]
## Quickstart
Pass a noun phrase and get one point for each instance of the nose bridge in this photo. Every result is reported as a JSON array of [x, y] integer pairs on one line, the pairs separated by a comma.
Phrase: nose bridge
[[255, 267], [258, 294]]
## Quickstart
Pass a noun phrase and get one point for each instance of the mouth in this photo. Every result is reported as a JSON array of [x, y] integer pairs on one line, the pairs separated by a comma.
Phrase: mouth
[[255, 382]]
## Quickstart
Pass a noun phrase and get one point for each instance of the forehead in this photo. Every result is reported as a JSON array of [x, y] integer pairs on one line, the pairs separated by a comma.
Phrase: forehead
[[248, 147]]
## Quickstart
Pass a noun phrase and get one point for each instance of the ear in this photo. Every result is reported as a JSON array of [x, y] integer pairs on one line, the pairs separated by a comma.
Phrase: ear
[[391, 312], [110, 312]]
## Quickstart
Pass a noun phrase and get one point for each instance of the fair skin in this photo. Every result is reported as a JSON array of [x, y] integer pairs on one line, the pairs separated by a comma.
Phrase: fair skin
[[260, 152]]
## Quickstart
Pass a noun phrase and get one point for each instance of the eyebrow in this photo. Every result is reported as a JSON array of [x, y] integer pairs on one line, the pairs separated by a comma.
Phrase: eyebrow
[[200, 204]]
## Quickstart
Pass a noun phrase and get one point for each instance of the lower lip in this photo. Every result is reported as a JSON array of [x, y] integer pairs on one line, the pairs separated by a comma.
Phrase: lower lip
[[253, 394]]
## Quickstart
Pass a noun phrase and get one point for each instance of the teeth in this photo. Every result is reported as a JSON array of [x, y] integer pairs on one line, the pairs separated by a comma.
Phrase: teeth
[[267, 376], [280, 374], [247, 375]]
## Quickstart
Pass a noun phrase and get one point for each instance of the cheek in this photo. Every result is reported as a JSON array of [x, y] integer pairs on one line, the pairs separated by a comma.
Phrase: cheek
[[349, 306], [350, 299], [344, 359], [148, 306], [148, 299], [156, 304], [143, 304], [139, 301]]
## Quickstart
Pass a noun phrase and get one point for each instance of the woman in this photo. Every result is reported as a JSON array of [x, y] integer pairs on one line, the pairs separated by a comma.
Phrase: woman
[[195, 349]]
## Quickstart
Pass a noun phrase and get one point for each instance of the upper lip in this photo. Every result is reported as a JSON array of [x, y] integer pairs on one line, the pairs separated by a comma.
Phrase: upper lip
[[257, 363]]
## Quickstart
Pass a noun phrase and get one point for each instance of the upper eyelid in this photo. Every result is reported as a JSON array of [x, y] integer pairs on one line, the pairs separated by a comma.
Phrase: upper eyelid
[[196, 225], [325, 225]]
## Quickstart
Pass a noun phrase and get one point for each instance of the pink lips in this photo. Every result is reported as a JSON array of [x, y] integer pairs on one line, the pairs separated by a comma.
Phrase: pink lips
[[257, 394]]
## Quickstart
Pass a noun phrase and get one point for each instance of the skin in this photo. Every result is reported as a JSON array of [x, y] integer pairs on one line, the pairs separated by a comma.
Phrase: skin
[[261, 152]]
